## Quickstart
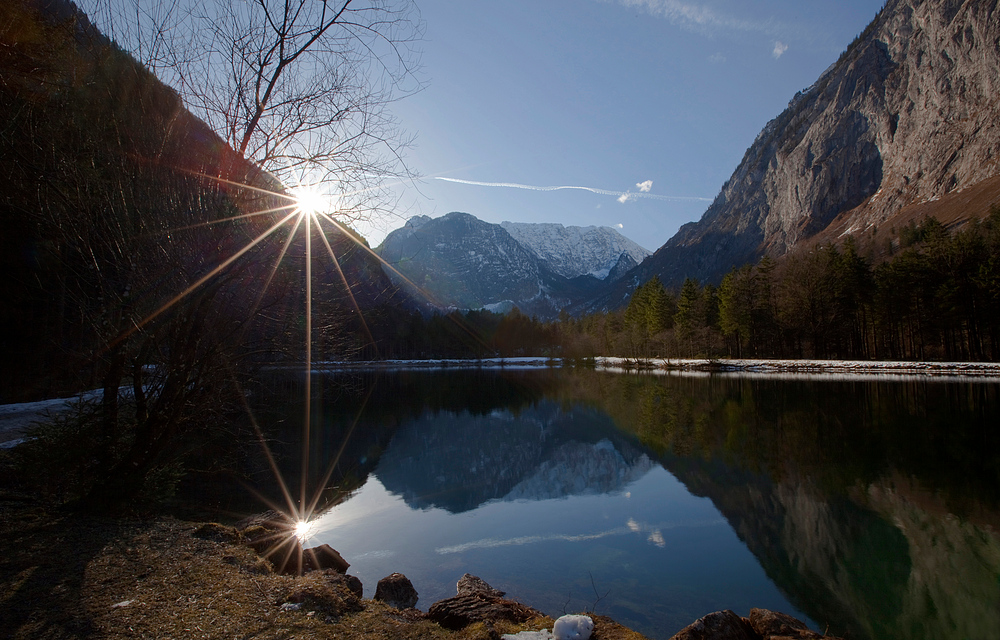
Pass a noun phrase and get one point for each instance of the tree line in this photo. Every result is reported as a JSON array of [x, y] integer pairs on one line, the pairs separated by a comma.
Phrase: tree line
[[936, 298]]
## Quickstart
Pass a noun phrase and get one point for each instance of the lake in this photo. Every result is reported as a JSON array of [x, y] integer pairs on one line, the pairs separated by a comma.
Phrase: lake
[[866, 506]]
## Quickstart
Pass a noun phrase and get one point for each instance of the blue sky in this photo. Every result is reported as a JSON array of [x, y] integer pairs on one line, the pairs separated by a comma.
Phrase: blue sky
[[604, 94]]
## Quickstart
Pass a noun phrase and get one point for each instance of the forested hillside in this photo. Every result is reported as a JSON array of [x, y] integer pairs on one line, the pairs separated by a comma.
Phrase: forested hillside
[[144, 257]]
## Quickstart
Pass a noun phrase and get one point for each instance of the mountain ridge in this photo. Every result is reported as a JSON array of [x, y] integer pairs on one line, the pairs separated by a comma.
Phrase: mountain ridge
[[461, 261], [904, 117], [573, 251]]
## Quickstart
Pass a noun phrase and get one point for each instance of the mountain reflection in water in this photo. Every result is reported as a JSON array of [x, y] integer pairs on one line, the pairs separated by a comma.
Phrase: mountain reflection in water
[[868, 508], [458, 461]]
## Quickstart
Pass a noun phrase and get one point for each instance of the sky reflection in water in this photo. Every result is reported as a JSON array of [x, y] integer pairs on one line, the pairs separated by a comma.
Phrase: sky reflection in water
[[866, 505], [583, 514]]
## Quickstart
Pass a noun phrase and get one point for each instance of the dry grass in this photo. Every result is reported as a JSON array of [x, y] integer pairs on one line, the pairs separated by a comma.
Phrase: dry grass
[[71, 576]]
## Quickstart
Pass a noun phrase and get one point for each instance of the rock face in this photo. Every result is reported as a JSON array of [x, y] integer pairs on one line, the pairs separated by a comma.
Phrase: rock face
[[906, 115], [576, 251]]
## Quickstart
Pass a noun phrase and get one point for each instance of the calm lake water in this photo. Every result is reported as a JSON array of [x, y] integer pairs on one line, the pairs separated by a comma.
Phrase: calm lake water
[[864, 506]]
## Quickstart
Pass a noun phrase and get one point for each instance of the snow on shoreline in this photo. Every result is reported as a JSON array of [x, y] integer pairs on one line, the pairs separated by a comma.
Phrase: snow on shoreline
[[15, 418], [813, 369]]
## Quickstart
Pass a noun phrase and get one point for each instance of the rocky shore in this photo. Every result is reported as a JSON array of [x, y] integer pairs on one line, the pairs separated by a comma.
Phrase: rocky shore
[[476, 606], [67, 575]]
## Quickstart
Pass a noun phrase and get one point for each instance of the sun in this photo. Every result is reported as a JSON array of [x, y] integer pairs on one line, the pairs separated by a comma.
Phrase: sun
[[303, 530], [310, 200]]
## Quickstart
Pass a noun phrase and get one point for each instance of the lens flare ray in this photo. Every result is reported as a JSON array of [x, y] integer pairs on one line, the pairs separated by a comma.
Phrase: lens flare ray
[[200, 281]]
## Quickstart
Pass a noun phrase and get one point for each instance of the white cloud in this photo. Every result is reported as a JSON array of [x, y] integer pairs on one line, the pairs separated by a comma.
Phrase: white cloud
[[697, 17], [716, 58], [623, 198], [645, 186], [779, 49]]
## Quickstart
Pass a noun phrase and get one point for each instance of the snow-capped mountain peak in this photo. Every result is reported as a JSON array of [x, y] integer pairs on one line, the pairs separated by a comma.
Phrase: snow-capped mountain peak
[[575, 251]]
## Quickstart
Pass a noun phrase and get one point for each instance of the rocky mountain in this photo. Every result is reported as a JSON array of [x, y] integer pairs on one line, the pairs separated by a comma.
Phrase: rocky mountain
[[460, 261], [576, 251], [903, 120]]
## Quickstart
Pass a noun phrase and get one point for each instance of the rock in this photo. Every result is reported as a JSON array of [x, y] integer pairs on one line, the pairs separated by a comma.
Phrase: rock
[[272, 536], [774, 625], [470, 584], [325, 591], [397, 591], [355, 586], [217, 533], [323, 557], [721, 625], [573, 628], [477, 602], [269, 520], [282, 549]]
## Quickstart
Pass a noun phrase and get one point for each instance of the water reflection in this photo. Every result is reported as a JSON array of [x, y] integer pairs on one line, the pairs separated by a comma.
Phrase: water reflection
[[869, 508], [458, 461]]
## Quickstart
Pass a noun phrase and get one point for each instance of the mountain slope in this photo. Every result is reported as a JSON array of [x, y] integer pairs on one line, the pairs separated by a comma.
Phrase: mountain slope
[[907, 115], [461, 261], [576, 251], [118, 206]]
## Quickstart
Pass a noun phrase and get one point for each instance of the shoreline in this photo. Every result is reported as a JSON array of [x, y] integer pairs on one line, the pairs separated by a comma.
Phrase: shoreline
[[15, 418], [125, 577], [664, 365]]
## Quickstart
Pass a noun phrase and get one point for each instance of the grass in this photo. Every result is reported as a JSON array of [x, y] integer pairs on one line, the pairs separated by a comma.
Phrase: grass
[[65, 575]]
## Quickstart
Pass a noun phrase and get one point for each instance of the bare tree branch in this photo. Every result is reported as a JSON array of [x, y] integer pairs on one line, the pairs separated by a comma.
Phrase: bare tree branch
[[300, 87]]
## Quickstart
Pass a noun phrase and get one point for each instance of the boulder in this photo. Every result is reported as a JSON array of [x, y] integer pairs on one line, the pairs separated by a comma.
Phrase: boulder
[[477, 602], [354, 585], [773, 625], [323, 557], [721, 625], [327, 592], [470, 584], [397, 591]]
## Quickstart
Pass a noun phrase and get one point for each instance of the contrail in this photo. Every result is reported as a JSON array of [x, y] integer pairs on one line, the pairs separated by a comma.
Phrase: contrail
[[603, 192]]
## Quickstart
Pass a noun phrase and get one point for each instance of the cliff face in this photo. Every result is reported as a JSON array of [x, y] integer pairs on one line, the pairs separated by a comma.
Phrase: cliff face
[[905, 116]]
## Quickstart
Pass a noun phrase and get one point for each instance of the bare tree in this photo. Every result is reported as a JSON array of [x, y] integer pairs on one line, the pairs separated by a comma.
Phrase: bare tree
[[300, 87], [151, 248]]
